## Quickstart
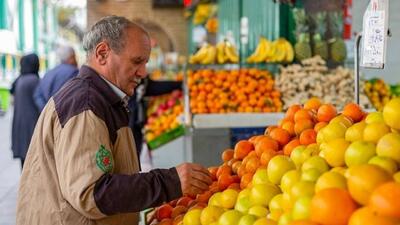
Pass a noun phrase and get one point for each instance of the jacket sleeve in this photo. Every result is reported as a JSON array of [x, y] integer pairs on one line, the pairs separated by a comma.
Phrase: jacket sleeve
[[38, 97], [91, 187]]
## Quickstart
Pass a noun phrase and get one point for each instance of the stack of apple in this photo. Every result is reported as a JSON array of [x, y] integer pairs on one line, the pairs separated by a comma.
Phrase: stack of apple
[[163, 114], [334, 169]]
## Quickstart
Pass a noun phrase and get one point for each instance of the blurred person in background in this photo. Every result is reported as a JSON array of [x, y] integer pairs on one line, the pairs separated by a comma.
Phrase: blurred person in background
[[54, 79], [25, 111]]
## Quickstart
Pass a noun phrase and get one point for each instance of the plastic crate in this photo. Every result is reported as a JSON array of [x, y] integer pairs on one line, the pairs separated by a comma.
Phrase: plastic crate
[[166, 137]]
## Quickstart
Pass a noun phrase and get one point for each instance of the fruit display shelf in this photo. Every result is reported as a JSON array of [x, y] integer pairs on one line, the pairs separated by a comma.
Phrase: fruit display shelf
[[317, 166], [235, 120], [166, 137]]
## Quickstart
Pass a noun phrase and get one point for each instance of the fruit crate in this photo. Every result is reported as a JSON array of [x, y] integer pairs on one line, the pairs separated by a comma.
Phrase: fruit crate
[[166, 137]]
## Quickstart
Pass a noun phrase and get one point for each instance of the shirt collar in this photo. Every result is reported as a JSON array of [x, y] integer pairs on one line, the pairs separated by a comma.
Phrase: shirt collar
[[124, 97], [117, 91]]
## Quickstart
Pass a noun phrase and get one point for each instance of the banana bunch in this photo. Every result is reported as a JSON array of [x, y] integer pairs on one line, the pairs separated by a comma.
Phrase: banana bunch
[[205, 55], [283, 51], [277, 51], [226, 53], [202, 13]]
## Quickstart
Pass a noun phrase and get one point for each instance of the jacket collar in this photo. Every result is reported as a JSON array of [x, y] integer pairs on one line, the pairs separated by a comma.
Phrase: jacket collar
[[87, 72]]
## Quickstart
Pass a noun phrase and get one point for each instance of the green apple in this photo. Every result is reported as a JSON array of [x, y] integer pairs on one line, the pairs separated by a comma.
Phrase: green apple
[[331, 179], [247, 220], [374, 117], [244, 193], [315, 162], [355, 132], [243, 204], [276, 203], [211, 214], [278, 166], [302, 189], [301, 208], [334, 152], [385, 163], [333, 131], [261, 194], [389, 146], [289, 179], [215, 199], [285, 219], [260, 177], [258, 211], [359, 152], [230, 217], [297, 156], [311, 175]]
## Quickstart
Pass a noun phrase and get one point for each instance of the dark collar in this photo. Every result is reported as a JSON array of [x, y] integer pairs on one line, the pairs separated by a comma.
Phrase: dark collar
[[87, 72]]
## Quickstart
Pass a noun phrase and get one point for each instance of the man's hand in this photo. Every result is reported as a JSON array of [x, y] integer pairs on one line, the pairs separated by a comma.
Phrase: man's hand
[[194, 178]]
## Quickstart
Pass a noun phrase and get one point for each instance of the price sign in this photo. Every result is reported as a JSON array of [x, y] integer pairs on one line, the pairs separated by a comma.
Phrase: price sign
[[375, 29]]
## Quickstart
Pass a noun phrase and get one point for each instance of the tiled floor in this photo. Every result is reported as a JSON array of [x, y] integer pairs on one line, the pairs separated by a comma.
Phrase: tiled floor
[[9, 174]]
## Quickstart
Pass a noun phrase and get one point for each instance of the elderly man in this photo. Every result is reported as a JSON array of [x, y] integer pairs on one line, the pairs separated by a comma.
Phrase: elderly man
[[54, 79], [82, 165]]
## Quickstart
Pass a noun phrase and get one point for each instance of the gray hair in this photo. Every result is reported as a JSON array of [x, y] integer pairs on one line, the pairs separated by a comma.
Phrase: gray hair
[[110, 29], [65, 52]]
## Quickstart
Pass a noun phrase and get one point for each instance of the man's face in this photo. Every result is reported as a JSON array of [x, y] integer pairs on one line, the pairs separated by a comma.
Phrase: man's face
[[128, 66]]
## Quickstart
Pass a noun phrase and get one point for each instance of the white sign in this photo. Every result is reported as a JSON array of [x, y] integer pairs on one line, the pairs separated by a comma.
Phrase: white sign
[[375, 28]]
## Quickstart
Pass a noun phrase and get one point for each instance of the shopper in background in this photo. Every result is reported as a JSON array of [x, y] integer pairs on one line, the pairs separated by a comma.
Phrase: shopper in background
[[54, 79], [82, 165], [25, 111]]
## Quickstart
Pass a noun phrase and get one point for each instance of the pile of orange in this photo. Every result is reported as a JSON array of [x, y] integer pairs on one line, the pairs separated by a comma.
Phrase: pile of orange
[[330, 205], [227, 91]]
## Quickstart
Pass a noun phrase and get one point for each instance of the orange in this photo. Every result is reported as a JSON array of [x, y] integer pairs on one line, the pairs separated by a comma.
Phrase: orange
[[252, 165], [269, 129], [353, 111], [227, 155], [213, 172], [289, 127], [241, 170], [280, 135], [287, 150], [291, 111], [332, 206], [319, 126], [313, 103], [266, 156], [204, 197], [245, 180], [303, 222], [308, 137], [303, 114], [242, 148], [365, 216], [224, 181], [255, 139], [231, 162], [385, 200], [302, 125], [265, 143], [223, 169], [326, 112], [235, 166]]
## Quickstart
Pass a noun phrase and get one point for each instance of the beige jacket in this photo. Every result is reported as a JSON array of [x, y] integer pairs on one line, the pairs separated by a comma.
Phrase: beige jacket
[[82, 166]]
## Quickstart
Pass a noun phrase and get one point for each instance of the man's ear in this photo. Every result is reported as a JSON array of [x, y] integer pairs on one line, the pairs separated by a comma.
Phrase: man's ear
[[102, 52]]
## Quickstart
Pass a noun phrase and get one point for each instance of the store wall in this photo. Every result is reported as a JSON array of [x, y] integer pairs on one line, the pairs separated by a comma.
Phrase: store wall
[[391, 73], [170, 19]]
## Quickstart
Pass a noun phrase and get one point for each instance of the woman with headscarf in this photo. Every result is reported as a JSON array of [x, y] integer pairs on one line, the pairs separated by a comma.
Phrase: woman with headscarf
[[25, 111]]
